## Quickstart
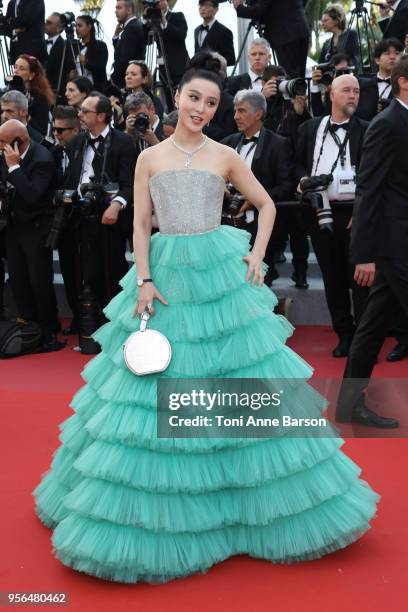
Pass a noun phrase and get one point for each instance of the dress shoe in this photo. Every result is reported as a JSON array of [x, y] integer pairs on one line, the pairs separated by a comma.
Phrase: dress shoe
[[343, 347], [271, 275], [300, 280], [364, 416], [71, 330], [51, 343], [279, 257], [399, 352]]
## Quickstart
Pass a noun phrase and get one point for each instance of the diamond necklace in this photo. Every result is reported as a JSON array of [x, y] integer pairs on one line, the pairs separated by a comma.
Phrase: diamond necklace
[[189, 153]]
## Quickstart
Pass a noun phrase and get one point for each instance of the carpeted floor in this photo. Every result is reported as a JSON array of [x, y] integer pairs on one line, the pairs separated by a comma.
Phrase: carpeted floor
[[35, 392]]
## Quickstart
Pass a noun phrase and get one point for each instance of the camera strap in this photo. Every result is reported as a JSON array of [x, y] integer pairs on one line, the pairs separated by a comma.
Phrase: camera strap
[[342, 146]]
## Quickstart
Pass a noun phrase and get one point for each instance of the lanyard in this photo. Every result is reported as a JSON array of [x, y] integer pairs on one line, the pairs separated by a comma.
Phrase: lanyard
[[341, 146]]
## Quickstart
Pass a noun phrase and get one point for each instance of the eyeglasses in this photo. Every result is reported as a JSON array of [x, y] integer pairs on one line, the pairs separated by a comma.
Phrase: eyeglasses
[[61, 130], [85, 111]]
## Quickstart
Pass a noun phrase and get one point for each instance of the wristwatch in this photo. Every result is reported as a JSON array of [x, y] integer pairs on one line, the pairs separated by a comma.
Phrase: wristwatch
[[140, 281]]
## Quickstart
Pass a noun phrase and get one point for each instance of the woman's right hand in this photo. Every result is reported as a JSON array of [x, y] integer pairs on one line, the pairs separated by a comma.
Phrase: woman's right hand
[[147, 293]]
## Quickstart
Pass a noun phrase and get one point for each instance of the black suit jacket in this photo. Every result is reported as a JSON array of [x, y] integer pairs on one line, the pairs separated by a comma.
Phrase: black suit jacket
[[347, 43], [34, 184], [30, 16], [285, 19], [174, 41], [219, 38], [380, 220], [236, 83], [396, 26], [272, 164], [307, 139], [120, 163], [96, 59], [53, 64], [130, 46]]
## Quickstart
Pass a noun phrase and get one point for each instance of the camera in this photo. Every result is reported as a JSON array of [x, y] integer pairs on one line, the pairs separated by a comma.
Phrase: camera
[[141, 122], [152, 12], [5, 193], [95, 198], [314, 191], [232, 206], [329, 72], [14, 83], [68, 22], [290, 88]]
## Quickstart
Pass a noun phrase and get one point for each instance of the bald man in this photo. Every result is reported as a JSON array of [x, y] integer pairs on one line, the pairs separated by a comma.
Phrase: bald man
[[332, 145], [30, 169]]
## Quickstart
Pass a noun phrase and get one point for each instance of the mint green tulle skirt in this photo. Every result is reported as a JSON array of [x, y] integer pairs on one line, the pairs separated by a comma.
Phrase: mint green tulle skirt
[[128, 506]]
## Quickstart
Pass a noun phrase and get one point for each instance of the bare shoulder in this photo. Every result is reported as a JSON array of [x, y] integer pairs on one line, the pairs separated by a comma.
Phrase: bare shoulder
[[224, 156]]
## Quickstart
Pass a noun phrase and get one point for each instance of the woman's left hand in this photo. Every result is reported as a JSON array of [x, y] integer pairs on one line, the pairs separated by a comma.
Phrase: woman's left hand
[[255, 271]]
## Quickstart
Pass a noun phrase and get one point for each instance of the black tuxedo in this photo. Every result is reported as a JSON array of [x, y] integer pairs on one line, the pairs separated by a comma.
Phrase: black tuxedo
[[332, 249], [130, 45], [223, 122], [286, 29], [219, 38], [96, 59], [396, 26], [30, 16], [100, 243], [53, 65], [236, 83], [272, 165], [29, 261], [380, 235]]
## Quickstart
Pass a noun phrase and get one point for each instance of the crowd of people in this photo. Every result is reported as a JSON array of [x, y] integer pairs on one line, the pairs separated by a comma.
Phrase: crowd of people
[[71, 134]]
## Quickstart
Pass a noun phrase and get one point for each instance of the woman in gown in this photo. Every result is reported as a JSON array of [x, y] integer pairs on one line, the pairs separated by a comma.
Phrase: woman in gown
[[129, 506]]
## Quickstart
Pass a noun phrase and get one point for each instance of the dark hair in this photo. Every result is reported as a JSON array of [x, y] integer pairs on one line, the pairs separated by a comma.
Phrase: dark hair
[[83, 83], [273, 71], [203, 66], [400, 70], [385, 45], [69, 114], [39, 85], [340, 57], [103, 105], [95, 26]]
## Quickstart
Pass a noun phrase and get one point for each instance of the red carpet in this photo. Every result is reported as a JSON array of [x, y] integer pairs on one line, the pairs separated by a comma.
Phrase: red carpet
[[370, 575]]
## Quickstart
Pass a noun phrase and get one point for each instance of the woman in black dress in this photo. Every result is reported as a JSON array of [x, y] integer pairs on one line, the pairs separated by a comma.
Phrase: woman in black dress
[[342, 40], [38, 90], [93, 58]]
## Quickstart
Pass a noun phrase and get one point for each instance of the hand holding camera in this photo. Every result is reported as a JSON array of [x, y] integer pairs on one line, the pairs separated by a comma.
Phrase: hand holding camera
[[270, 89], [139, 126]]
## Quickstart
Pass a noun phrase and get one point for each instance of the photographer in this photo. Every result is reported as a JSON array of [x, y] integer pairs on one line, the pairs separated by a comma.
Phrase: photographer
[[55, 52], [99, 161], [93, 56], [394, 19], [24, 23], [142, 123], [322, 78], [286, 102], [30, 170], [65, 127], [37, 90], [173, 28], [14, 105], [128, 41], [341, 41], [286, 29], [212, 34], [259, 57], [270, 158], [329, 149]]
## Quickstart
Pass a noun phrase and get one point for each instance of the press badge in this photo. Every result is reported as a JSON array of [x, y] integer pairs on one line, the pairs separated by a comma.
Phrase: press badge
[[346, 178]]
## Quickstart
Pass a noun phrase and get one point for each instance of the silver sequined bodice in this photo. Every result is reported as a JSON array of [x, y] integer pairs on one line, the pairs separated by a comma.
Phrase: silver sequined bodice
[[187, 201]]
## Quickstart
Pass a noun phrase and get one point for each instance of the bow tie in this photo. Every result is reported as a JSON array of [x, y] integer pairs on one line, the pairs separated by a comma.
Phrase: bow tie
[[204, 28], [94, 142], [246, 141], [337, 126], [50, 42], [387, 80]]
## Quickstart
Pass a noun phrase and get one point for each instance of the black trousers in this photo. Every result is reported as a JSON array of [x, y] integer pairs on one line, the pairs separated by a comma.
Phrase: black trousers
[[292, 56], [2, 270], [102, 259], [289, 224], [387, 295], [399, 328], [68, 252], [31, 273], [332, 253]]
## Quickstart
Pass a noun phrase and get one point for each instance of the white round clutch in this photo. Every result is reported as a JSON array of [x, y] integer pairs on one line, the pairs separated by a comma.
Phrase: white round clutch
[[147, 351]]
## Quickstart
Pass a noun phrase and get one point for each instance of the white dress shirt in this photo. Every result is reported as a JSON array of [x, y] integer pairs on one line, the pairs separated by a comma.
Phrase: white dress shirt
[[247, 153], [256, 81], [328, 157], [202, 34], [50, 42]]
